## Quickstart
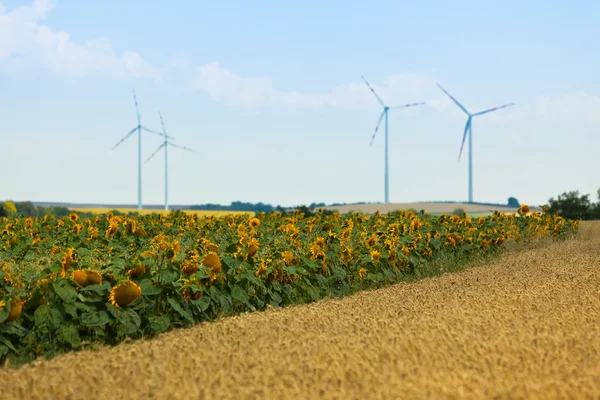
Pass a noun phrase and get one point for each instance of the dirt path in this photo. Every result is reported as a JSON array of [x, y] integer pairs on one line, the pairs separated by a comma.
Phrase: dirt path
[[527, 326]]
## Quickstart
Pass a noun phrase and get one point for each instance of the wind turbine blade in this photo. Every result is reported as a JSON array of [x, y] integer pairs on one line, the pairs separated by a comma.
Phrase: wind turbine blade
[[407, 105], [181, 147], [377, 127], [467, 127], [493, 109], [125, 138], [156, 133], [162, 123], [454, 100], [157, 150], [373, 91]]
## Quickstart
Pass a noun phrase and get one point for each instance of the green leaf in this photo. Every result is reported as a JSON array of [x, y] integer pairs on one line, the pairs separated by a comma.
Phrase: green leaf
[[95, 318], [47, 318], [4, 313], [159, 324], [65, 290], [167, 276], [177, 307], [239, 294], [232, 248], [71, 309], [148, 288], [128, 320], [69, 334], [202, 303], [276, 298], [7, 343], [100, 289]]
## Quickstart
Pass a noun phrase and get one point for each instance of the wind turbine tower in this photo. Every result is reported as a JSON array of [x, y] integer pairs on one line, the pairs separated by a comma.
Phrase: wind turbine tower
[[166, 145], [469, 130], [139, 129], [385, 114]]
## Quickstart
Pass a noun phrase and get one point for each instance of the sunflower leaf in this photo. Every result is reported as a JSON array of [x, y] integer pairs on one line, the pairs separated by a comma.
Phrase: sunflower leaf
[[69, 334], [65, 290], [202, 303], [239, 294], [159, 324], [47, 318], [93, 318], [129, 320], [177, 307], [7, 343]]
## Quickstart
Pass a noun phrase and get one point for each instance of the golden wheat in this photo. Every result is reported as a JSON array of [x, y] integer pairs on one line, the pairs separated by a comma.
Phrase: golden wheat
[[525, 326]]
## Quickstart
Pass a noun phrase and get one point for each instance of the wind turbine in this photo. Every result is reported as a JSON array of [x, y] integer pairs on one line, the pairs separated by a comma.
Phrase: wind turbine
[[165, 145], [138, 128], [385, 114], [469, 130]]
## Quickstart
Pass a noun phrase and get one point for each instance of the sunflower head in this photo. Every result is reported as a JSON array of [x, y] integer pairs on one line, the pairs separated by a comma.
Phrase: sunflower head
[[137, 271], [16, 307], [190, 266], [124, 293], [79, 276], [213, 262], [375, 255], [74, 217], [362, 272], [288, 257], [92, 277], [524, 209], [252, 247], [254, 222]]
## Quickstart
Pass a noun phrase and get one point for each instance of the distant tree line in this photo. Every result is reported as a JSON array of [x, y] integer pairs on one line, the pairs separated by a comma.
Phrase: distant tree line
[[574, 205]]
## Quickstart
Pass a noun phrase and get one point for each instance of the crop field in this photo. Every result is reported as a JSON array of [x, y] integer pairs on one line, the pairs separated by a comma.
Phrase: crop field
[[524, 325], [145, 211]]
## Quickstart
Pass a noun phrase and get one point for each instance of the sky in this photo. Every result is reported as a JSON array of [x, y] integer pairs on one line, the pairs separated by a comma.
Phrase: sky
[[269, 94]]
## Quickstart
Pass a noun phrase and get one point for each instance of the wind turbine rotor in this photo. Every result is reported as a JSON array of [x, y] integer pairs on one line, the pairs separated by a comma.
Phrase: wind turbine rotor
[[125, 138], [493, 109], [467, 129], [454, 100], [373, 91], [377, 127]]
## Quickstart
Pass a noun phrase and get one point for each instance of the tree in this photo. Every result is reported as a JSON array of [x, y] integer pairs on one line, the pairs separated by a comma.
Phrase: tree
[[513, 202], [571, 205], [9, 208]]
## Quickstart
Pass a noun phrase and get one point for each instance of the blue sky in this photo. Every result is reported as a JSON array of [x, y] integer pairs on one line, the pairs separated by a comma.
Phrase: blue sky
[[270, 96]]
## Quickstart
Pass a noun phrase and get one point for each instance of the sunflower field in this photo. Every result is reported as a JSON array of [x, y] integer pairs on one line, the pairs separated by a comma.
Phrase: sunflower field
[[71, 283]]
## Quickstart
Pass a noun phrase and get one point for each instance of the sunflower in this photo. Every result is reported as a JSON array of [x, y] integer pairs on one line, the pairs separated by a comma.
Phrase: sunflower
[[191, 290], [16, 307], [190, 266], [74, 217], [124, 294], [93, 277], [375, 255], [362, 272], [2, 305], [372, 241], [252, 247], [67, 261], [79, 276], [288, 257], [524, 209], [212, 261], [137, 271], [254, 222]]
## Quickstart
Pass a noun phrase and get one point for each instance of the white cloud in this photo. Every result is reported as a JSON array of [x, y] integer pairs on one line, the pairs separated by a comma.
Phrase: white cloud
[[23, 37], [229, 88]]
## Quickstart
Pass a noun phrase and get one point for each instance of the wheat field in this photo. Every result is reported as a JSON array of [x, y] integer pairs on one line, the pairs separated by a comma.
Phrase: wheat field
[[526, 326]]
